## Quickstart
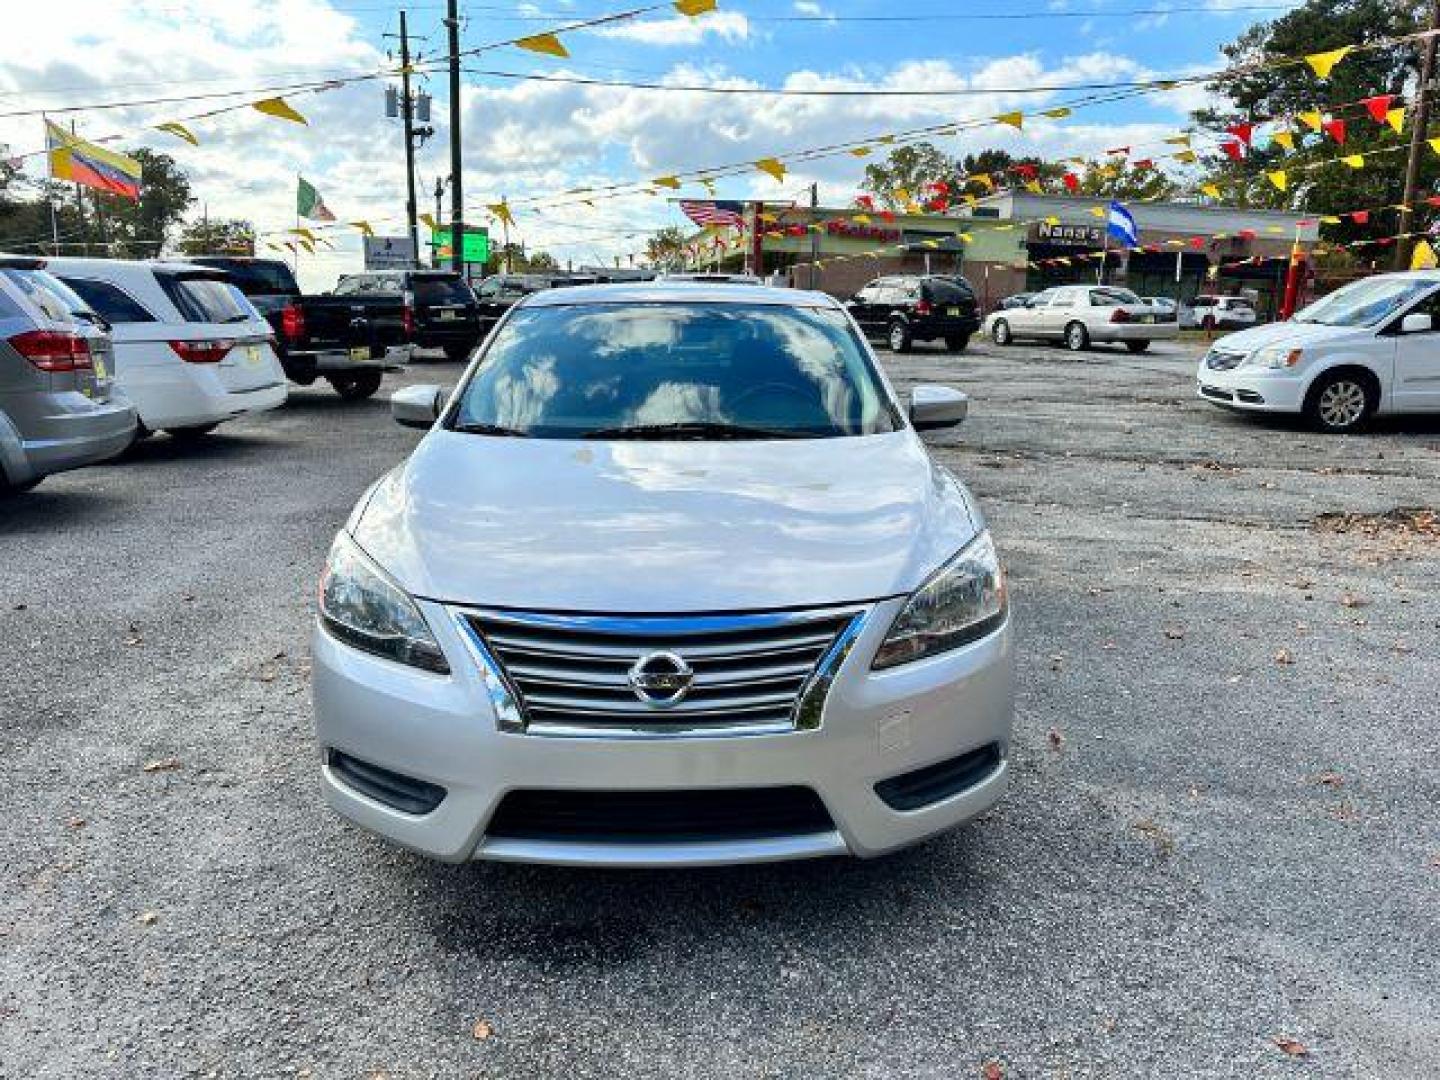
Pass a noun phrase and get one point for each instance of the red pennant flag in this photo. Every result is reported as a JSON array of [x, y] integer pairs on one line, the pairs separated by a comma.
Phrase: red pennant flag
[[1247, 234], [1145, 163], [1336, 130], [1433, 200], [888, 215], [1233, 149], [1071, 181], [943, 188], [940, 205], [1026, 171], [1243, 132], [1378, 106], [866, 201], [1361, 217], [1197, 242], [1123, 151]]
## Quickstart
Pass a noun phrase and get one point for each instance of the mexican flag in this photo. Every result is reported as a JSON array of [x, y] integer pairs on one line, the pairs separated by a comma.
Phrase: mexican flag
[[309, 204]]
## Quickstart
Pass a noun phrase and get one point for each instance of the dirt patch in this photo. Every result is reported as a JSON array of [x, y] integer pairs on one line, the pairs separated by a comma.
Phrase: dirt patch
[[1408, 523]]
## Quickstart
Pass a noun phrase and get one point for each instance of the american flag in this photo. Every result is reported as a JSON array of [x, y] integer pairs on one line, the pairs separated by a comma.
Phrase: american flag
[[714, 213]]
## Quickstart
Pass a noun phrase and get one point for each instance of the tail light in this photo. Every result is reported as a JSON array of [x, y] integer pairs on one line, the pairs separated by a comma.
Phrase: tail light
[[201, 352], [53, 350], [407, 319], [923, 308], [292, 322], [1119, 315]]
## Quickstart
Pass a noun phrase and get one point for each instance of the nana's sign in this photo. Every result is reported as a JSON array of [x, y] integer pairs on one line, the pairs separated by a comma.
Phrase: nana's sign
[[1064, 235]]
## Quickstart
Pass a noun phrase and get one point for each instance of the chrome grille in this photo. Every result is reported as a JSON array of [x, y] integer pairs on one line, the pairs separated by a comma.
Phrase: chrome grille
[[571, 674]]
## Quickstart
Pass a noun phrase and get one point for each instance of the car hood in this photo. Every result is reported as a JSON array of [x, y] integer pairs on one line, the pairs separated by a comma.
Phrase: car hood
[[1286, 333], [640, 527]]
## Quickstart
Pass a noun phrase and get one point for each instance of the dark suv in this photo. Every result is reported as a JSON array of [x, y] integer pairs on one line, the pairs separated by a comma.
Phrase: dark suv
[[907, 308], [445, 314]]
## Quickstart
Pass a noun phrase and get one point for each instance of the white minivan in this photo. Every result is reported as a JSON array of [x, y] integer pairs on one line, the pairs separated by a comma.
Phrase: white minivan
[[190, 351], [1368, 348]]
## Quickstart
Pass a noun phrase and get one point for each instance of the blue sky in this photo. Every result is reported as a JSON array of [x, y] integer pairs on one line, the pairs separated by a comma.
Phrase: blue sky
[[527, 139]]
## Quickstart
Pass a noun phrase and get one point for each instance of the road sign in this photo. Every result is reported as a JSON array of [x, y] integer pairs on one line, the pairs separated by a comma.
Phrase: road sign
[[389, 253], [476, 241]]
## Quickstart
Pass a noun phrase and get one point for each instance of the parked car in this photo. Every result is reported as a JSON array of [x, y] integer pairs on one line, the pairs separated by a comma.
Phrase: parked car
[[498, 293], [1218, 313], [59, 408], [444, 312], [1164, 307], [190, 351], [1370, 348], [711, 277], [348, 341], [1019, 299], [1080, 315], [784, 629], [904, 309]]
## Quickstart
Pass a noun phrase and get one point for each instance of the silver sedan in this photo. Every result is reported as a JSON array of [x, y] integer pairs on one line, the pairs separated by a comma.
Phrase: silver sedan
[[1080, 315]]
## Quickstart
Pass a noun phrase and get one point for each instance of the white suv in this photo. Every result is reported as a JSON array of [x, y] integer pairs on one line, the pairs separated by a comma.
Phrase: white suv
[[190, 350], [1218, 313], [670, 580], [1370, 347]]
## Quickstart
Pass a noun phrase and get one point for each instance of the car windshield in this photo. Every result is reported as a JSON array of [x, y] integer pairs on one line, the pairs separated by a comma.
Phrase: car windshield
[[675, 371], [1364, 303]]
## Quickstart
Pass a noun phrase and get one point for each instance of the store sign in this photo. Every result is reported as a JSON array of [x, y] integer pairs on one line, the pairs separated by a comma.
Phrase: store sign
[[389, 253], [1064, 235], [850, 229], [475, 240]]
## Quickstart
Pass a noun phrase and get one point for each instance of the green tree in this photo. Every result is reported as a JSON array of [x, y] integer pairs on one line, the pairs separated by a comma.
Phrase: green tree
[[145, 226], [1263, 93], [665, 249], [910, 168], [218, 236], [1121, 180]]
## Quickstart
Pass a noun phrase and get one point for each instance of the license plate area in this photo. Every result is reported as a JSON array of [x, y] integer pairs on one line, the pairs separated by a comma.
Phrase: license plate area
[[360, 352]]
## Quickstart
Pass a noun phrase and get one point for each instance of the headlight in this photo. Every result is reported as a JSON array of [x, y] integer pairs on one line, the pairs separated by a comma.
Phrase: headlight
[[361, 606], [963, 600], [1275, 356]]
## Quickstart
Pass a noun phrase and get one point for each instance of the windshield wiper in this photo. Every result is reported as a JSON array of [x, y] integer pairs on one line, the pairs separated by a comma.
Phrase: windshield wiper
[[490, 429], [695, 430]]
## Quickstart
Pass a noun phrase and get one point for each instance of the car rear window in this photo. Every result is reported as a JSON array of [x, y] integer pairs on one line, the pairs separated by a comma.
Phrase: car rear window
[[1112, 297], [258, 277], [55, 301], [206, 298], [441, 290], [947, 292]]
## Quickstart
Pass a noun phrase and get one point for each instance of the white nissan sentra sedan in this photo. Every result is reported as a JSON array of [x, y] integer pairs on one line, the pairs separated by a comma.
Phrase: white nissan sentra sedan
[[671, 580]]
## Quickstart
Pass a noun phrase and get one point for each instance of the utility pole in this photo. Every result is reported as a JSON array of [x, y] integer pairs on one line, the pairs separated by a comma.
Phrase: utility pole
[[439, 217], [505, 228], [407, 111], [814, 236], [1419, 119], [457, 199]]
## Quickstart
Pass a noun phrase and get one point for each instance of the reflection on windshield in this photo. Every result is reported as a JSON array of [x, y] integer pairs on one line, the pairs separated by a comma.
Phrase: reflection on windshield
[[566, 371], [1364, 303]]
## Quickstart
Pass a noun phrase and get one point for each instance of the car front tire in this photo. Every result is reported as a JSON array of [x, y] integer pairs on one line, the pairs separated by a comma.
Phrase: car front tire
[[957, 342], [1340, 402], [899, 337], [190, 434], [1000, 332], [362, 384], [1077, 338], [1137, 346]]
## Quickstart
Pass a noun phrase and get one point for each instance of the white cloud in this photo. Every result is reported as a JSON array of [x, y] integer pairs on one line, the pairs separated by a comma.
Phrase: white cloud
[[681, 29]]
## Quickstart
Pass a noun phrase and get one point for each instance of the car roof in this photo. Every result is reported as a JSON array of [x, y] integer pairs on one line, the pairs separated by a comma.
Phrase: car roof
[[61, 263], [655, 292]]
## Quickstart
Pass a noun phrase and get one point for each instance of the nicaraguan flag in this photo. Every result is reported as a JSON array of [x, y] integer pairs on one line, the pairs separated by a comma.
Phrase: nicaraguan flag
[[1120, 225]]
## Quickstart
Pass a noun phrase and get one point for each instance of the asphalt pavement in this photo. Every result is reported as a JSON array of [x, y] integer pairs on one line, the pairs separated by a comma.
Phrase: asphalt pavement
[[1219, 857]]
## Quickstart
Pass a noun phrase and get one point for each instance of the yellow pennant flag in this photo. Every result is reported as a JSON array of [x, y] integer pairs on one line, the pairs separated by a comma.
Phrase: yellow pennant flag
[[1311, 118], [430, 222], [671, 182], [308, 245], [1056, 114], [546, 43], [1097, 211], [300, 230], [1278, 178], [1014, 119], [179, 130], [1324, 62], [1033, 186], [1396, 118], [772, 167], [964, 237], [1355, 161], [860, 151], [1329, 219], [1179, 140], [1284, 138], [900, 195], [1212, 190], [694, 7], [709, 184], [365, 227], [886, 139], [502, 211], [861, 219], [770, 219], [278, 108], [1423, 257], [1188, 157], [1052, 220], [1434, 145]]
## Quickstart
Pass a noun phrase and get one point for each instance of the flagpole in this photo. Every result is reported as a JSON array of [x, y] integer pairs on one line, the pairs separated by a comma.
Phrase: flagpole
[[1104, 250], [50, 187], [295, 244]]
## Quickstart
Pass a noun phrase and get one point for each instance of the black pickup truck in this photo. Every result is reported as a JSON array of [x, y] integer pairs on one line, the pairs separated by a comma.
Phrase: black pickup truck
[[444, 311], [350, 341]]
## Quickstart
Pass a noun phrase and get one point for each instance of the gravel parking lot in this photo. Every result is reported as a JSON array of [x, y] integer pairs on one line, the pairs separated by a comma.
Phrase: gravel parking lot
[[1220, 855]]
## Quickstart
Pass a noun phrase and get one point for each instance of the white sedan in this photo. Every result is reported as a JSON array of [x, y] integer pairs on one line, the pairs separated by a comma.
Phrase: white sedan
[[1080, 315]]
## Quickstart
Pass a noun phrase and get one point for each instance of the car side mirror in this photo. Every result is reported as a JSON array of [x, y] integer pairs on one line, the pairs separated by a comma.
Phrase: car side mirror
[[417, 406], [1417, 322], [934, 407]]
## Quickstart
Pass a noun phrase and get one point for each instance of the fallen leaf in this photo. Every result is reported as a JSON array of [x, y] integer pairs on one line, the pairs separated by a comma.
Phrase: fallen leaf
[[1293, 1047], [1330, 778], [482, 1030], [76, 823], [1164, 842], [1284, 657], [148, 918], [1174, 633], [164, 764], [1055, 738], [992, 1070], [1350, 600]]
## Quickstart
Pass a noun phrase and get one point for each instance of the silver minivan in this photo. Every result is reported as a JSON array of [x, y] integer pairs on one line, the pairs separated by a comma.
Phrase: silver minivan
[[58, 406]]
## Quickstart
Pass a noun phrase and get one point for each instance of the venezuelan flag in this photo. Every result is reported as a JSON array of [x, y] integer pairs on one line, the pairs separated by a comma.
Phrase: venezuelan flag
[[81, 162]]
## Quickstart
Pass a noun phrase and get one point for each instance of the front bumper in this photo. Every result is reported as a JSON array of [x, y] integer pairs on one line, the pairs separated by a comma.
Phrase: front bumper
[[1252, 389], [875, 726]]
